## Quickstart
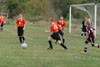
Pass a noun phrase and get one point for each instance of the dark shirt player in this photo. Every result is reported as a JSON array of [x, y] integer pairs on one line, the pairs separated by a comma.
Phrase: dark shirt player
[[90, 37], [83, 27]]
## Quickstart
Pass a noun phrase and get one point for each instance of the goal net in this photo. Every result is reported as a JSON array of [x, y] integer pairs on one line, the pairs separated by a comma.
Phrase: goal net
[[77, 14]]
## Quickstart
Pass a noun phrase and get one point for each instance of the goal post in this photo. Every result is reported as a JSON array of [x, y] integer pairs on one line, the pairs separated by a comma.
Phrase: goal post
[[83, 7]]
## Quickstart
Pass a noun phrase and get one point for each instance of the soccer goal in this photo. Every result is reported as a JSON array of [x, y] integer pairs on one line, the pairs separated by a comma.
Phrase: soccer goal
[[79, 11]]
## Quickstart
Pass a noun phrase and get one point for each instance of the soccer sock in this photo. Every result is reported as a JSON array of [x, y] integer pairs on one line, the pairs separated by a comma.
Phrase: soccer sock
[[84, 34], [98, 46], [63, 46], [50, 43], [63, 40], [81, 34], [23, 39], [20, 39], [85, 49]]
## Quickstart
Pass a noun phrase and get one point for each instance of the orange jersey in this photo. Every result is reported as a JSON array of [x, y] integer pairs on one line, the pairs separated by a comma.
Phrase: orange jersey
[[3, 19], [0, 20], [54, 28], [61, 24], [20, 22]]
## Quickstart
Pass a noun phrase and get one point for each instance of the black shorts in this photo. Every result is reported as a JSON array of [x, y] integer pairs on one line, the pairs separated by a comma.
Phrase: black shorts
[[84, 29], [91, 40], [2, 24], [61, 33], [55, 36], [20, 31]]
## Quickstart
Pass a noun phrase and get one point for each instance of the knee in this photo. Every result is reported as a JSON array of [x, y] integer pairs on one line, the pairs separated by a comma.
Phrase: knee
[[49, 38], [59, 42]]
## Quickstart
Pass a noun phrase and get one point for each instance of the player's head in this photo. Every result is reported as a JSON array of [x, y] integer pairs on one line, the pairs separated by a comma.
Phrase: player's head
[[85, 17], [61, 18], [20, 15], [51, 20], [88, 22]]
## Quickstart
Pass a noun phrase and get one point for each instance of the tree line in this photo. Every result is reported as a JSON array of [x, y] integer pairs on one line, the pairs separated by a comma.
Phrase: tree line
[[44, 8]]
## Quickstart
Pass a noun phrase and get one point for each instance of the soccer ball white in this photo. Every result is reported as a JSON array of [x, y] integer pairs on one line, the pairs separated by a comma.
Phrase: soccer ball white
[[24, 45]]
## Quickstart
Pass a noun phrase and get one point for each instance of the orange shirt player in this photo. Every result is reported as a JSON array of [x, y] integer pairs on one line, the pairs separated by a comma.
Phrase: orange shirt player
[[62, 25], [55, 35], [21, 23], [2, 20]]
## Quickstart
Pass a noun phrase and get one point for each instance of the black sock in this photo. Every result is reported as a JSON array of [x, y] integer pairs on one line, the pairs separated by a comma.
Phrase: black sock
[[63, 46], [23, 39], [63, 40], [85, 49], [98, 46], [20, 39], [84, 34], [81, 34], [50, 43]]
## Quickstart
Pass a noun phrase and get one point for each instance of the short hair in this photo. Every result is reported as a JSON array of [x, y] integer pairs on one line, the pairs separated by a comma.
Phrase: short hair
[[51, 19]]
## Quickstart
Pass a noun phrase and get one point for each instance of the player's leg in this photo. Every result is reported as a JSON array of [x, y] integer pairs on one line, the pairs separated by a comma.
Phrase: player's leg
[[85, 47], [59, 42], [20, 39], [19, 34], [50, 42], [62, 35], [2, 26], [82, 33], [93, 43], [63, 38], [22, 35]]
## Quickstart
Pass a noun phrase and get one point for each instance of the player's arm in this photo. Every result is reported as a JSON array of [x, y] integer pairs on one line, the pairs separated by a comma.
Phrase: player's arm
[[24, 21], [50, 30], [64, 25], [47, 31], [16, 24]]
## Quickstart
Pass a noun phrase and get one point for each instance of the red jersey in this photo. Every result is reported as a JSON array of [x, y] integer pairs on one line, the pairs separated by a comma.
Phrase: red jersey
[[0, 20], [20, 22], [3, 19], [90, 31], [62, 24], [54, 28]]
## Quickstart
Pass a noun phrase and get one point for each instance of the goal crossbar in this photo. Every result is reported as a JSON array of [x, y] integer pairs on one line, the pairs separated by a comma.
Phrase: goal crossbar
[[78, 7]]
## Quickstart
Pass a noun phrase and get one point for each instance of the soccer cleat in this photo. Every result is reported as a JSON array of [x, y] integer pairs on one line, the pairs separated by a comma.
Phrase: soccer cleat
[[50, 48], [83, 52]]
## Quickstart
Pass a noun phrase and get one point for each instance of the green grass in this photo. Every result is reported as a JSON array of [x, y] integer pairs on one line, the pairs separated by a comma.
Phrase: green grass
[[37, 55]]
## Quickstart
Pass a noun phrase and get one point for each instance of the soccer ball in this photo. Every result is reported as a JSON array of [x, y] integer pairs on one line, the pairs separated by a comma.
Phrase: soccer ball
[[24, 45]]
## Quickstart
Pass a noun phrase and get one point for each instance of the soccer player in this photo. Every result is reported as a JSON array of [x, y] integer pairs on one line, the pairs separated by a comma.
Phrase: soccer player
[[55, 35], [90, 37], [2, 18], [21, 23], [83, 26], [62, 25]]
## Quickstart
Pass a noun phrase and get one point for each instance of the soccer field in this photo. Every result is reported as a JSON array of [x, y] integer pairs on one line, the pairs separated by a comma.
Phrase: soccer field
[[37, 55]]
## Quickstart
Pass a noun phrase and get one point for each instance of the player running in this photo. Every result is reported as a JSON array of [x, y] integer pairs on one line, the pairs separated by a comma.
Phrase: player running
[[83, 27], [90, 37], [2, 18], [55, 35], [21, 23], [62, 25]]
